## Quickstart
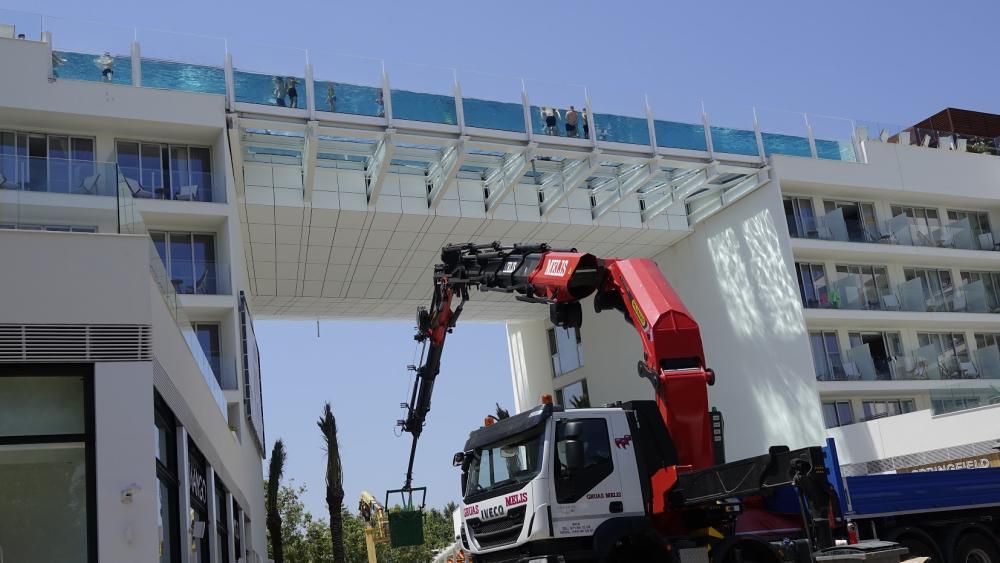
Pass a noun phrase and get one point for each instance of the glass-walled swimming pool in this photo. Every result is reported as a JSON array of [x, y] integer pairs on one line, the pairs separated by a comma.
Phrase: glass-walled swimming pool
[[276, 76]]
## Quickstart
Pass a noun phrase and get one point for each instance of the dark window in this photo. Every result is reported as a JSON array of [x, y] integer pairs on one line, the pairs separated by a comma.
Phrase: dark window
[[800, 217], [812, 285], [864, 287], [565, 346], [889, 407], [221, 522], [597, 462], [168, 171], [837, 413], [211, 344], [166, 474], [237, 532], [47, 504], [574, 395], [827, 361], [189, 261], [860, 223], [198, 495]]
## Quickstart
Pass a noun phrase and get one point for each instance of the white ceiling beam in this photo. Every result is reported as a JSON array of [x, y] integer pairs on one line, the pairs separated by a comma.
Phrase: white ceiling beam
[[378, 166], [573, 176], [503, 179], [309, 151], [629, 182], [443, 173]]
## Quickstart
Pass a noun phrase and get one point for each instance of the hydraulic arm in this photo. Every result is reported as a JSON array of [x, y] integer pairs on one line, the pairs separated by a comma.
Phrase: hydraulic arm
[[673, 357]]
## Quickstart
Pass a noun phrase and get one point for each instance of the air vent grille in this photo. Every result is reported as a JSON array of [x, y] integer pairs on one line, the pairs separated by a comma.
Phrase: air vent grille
[[75, 343]]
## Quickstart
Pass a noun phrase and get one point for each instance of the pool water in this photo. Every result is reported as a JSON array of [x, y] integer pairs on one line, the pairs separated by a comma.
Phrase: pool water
[[258, 88]]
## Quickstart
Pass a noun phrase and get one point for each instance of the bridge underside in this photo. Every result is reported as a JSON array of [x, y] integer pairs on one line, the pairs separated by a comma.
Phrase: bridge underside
[[346, 219]]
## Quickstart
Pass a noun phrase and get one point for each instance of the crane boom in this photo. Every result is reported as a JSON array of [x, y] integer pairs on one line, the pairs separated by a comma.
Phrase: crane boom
[[673, 356]]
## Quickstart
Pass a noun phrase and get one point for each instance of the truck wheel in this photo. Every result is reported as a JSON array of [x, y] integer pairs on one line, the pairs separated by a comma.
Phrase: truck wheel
[[976, 548], [918, 542]]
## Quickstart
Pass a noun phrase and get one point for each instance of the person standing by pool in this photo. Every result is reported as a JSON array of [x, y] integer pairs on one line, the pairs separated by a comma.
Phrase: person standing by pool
[[586, 125], [105, 62], [279, 91], [572, 118], [380, 102], [293, 94], [550, 116], [331, 97]]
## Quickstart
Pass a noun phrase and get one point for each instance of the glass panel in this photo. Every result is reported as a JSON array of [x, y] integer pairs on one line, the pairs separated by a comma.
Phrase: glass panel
[[84, 173], [574, 395], [128, 159], [34, 406], [959, 235], [911, 295], [181, 263], [423, 93], [208, 337], [550, 103], [90, 50], [864, 366], [830, 415], [928, 362], [151, 163], [902, 230], [188, 62], [845, 414], [834, 138], [269, 74], [348, 84], [180, 173], [37, 166], [200, 162], [671, 134], [43, 502], [492, 102], [58, 172], [974, 295], [733, 133], [783, 132], [833, 226], [206, 269], [988, 360], [616, 128]]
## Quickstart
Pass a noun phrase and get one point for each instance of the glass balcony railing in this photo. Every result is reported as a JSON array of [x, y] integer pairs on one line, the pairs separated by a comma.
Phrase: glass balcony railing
[[927, 138], [926, 363], [199, 277], [969, 298], [621, 129], [178, 185], [57, 175]]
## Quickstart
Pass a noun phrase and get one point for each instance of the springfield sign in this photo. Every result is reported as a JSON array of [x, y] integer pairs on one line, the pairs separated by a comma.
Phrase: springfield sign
[[984, 461]]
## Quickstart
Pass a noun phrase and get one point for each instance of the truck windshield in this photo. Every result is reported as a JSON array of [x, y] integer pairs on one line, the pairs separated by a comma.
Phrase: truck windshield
[[508, 462]]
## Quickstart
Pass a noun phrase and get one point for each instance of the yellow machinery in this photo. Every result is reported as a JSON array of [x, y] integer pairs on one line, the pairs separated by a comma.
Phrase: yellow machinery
[[376, 525]]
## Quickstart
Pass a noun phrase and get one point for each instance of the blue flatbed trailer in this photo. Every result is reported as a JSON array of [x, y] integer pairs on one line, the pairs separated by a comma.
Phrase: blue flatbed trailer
[[951, 516]]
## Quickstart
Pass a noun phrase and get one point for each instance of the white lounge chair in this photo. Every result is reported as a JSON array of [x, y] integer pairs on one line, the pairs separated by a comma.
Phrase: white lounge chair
[[944, 142], [969, 370], [136, 190], [890, 302], [904, 137], [186, 193], [89, 185], [926, 141], [962, 145], [3, 181], [959, 304], [851, 371]]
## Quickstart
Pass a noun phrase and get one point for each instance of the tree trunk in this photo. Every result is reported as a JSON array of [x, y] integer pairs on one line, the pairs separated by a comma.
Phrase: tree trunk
[[336, 504], [274, 527]]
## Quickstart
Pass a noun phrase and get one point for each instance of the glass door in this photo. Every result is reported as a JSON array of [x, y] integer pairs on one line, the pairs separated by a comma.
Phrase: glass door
[[58, 161], [37, 167]]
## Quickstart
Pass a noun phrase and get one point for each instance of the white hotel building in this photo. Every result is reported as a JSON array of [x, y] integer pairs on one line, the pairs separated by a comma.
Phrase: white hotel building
[[841, 274]]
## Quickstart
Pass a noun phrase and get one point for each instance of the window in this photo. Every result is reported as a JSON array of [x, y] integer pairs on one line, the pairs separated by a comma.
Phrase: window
[[573, 484], [574, 395], [221, 522], [165, 432], [979, 223], [800, 217], [864, 287], [925, 225], [990, 287], [566, 349], [889, 407], [937, 288], [46, 163], [47, 496], [505, 465], [198, 496], [168, 171], [946, 402], [859, 220], [985, 340], [812, 285], [942, 354], [211, 344], [53, 228], [237, 531], [884, 348], [837, 413], [189, 259], [827, 360]]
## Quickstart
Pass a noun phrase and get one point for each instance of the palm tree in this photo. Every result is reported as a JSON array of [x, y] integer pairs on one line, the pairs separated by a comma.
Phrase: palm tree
[[334, 482], [502, 413], [274, 472], [580, 401]]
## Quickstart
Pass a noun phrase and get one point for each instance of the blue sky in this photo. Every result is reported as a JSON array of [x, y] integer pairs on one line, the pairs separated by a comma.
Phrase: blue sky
[[889, 61]]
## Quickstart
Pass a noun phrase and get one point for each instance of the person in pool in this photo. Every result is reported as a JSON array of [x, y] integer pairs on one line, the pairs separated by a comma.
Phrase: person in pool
[[550, 116], [572, 117], [293, 94], [279, 91], [105, 62], [331, 97]]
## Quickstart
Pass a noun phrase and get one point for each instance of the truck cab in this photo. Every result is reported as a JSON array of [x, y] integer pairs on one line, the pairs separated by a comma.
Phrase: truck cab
[[548, 482]]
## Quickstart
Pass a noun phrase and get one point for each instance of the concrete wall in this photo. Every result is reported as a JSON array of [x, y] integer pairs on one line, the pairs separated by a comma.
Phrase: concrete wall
[[73, 278], [914, 433], [123, 416], [734, 272]]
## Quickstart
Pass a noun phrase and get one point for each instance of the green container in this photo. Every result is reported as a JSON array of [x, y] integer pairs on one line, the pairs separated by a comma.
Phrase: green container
[[406, 528]]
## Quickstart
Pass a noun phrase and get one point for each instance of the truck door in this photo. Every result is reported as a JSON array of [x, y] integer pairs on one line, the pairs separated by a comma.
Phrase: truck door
[[585, 495]]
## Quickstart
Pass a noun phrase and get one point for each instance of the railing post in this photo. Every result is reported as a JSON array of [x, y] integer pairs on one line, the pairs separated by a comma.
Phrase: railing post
[[230, 82], [459, 106], [526, 106], [46, 37], [136, 64], [759, 136], [811, 137], [310, 91], [386, 96], [651, 124], [708, 133], [590, 118]]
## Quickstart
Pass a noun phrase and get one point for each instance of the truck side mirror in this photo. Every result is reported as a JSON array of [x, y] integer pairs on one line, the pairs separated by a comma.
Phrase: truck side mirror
[[574, 455], [458, 459]]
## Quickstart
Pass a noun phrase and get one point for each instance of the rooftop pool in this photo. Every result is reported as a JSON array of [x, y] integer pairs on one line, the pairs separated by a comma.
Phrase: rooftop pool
[[357, 99]]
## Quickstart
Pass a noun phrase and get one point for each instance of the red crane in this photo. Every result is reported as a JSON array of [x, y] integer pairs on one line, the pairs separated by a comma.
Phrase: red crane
[[673, 357]]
